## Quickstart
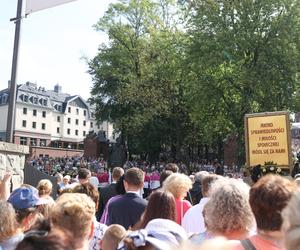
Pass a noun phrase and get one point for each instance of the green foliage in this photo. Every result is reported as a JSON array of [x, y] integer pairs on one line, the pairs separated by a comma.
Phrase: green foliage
[[176, 76]]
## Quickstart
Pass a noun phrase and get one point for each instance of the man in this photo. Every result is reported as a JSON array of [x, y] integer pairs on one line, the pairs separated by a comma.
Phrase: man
[[127, 210], [74, 212], [195, 191], [84, 175], [110, 190]]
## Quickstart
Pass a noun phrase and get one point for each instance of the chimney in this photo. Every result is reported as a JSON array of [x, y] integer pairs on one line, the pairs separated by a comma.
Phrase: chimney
[[57, 88]]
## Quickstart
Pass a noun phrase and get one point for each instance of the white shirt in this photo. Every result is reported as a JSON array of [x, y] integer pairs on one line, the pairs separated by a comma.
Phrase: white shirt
[[193, 221]]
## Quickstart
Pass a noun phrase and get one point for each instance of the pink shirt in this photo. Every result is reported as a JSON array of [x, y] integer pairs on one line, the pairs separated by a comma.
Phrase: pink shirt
[[181, 207], [261, 243]]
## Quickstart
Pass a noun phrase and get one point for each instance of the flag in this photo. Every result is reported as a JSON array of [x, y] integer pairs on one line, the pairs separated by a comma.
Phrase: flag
[[36, 5]]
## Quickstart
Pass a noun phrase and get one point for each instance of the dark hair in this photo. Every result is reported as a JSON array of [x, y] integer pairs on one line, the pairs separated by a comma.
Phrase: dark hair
[[41, 240], [21, 214], [206, 183], [256, 173], [83, 173], [161, 205], [172, 167], [134, 176], [88, 189], [164, 175], [120, 189], [268, 197]]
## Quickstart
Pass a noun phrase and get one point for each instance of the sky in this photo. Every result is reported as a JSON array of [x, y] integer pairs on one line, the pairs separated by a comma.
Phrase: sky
[[52, 44]]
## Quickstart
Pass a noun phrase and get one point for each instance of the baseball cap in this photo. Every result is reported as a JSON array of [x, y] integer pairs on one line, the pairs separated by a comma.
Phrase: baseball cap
[[25, 197]]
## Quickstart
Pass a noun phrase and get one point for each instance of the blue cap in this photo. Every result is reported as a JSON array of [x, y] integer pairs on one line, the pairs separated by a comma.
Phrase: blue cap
[[24, 197]]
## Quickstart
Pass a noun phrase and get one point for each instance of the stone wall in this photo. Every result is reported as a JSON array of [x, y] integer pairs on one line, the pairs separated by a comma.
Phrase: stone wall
[[12, 159]]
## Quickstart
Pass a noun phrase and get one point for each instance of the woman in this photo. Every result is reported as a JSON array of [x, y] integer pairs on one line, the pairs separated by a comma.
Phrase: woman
[[44, 188], [268, 197], [161, 205], [227, 213], [178, 185], [10, 233]]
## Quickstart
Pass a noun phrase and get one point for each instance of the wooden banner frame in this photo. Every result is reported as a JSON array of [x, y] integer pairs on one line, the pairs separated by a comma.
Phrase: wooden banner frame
[[288, 134]]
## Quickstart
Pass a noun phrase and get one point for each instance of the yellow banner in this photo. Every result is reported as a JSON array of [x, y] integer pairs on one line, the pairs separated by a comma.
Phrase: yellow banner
[[268, 140]]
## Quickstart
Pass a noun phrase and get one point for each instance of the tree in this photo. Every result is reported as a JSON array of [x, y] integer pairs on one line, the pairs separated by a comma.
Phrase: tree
[[245, 58]]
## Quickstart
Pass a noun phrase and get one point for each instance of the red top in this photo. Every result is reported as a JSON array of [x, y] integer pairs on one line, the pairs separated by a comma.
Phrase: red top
[[181, 207]]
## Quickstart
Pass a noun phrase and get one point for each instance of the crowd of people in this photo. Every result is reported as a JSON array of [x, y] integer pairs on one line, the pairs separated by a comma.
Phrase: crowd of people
[[121, 209]]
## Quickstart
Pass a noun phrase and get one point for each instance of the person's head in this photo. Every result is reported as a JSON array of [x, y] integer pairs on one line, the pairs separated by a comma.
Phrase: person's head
[[9, 224], [207, 181], [75, 213], [291, 222], [178, 185], [133, 179], [112, 236], [159, 234], [25, 201], [84, 175], [55, 240], [59, 177], [45, 187], [66, 179], [200, 175], [164, 175], [268, 197], [117, 173], [88, 189], [172, 167], [157, 201], [228, 213]]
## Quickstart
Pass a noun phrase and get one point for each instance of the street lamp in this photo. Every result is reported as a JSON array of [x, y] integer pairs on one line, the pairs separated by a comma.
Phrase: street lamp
[[68, 148]]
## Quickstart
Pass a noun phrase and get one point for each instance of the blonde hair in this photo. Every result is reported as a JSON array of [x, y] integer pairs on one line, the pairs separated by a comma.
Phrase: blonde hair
[[74, 212], [177, 184], [8, 220], [45, 187], [112, 236], [291, 222]]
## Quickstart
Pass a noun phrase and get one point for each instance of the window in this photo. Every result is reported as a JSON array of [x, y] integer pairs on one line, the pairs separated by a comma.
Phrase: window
[[25, 111], [84, 112], [34, 112], [76, 121], [84, 123], [68, 131], [26, 98], [92, 124], [43, 142], [84, 133], [33, 141], [69, 109], [33, 124], [43, 126], [44, 114], [23, 140], [76, 132], [69, 120], [58, 119], [77, 111], [24, 123], [35, 100], [57, 130], [45, 102]]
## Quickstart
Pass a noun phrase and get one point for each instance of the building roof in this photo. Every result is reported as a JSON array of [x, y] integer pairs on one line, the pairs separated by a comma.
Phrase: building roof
[[54, 99]]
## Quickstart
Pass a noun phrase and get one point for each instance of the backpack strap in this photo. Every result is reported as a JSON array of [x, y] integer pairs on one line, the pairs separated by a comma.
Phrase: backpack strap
[[247, 244]]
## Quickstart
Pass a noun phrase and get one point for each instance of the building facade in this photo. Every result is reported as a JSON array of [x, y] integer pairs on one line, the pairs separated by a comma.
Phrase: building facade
[[50, 118]]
